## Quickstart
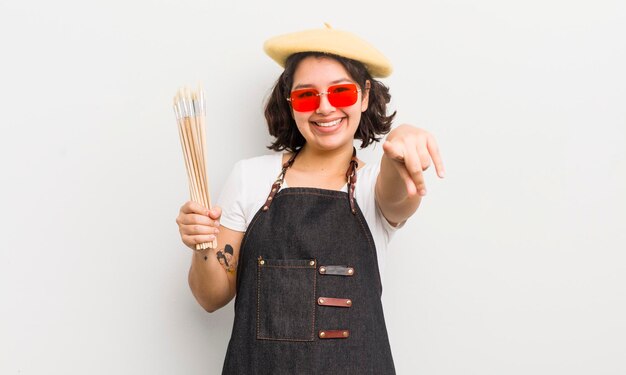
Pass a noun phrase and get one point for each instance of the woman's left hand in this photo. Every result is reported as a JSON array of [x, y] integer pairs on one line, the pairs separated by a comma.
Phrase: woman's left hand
[[412, 150]]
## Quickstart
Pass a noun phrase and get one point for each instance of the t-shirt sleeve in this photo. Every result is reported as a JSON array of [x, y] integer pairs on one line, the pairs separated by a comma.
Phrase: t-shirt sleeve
[[232, 198]]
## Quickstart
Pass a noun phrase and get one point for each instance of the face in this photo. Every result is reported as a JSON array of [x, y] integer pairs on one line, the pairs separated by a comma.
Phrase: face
[[327, 127]]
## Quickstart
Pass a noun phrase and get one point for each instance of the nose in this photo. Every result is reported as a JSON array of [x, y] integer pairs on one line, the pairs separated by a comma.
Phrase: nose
[[325, 106]]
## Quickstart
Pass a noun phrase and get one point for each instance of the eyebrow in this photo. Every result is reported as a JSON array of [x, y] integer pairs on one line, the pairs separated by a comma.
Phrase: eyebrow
[[308, 85]]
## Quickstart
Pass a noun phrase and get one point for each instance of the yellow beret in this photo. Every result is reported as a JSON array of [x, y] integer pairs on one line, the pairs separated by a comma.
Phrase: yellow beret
[[328, 40]]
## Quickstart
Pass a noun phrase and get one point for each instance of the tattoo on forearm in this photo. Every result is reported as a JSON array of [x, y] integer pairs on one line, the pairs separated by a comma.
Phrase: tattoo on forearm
[[225, 257]]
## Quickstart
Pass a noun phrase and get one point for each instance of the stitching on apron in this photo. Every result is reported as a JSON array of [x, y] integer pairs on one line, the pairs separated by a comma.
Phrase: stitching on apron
[[314, 300], [258, 303], [258, 300]]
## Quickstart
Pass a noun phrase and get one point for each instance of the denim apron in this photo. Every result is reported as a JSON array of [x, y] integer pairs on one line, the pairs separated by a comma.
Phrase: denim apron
[[308, 288]]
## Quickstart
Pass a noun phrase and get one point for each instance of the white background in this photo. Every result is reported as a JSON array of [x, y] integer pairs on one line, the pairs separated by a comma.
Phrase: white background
[[514, 264]]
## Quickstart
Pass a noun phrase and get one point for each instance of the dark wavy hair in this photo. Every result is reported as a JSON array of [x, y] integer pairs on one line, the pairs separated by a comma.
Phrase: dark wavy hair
[[374, 121]]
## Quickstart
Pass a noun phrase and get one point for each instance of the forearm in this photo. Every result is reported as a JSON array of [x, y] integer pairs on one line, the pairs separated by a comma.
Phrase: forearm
[[392, 195], [211, 284]]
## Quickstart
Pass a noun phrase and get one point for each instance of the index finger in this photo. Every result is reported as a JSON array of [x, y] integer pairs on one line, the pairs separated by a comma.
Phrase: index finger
[[191, 207], [413, 166], [433, 149]]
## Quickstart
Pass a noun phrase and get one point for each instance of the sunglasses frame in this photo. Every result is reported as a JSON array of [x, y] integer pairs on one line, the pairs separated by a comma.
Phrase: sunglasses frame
[[327, 92]]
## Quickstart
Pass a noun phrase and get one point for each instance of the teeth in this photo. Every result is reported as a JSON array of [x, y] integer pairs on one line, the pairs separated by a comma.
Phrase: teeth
[[328, 124]]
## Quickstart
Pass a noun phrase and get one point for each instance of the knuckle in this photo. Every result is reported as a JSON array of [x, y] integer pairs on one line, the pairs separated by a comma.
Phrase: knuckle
[[416, 169], [187, 219]]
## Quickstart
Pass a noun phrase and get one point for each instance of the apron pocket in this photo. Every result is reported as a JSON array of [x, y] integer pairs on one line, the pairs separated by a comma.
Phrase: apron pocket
[[286, 299]]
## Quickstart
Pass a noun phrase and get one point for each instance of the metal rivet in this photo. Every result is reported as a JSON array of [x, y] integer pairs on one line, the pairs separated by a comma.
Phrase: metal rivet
[[270, 198], [312, 263], [273, 190], [261, 262], [322, 269], [350, 271], [322, 334], [345, 333], [321, 300], [265, 208], [348, 302]]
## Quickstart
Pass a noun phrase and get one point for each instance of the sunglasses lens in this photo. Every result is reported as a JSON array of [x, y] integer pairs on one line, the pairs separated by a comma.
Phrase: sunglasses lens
[[342, 95], [305, 100]]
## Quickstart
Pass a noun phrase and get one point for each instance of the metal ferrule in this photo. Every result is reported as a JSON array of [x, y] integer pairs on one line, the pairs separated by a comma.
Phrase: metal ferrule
[[196, 107], [186, 109]]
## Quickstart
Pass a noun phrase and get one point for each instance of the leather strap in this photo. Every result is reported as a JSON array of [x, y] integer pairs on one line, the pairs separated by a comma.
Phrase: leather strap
[[336, 270], [279, 181], [334, 334], [351, 176], [335, 302]]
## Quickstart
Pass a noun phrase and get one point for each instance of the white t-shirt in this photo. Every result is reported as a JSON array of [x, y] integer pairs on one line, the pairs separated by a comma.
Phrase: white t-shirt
[[249, 184]]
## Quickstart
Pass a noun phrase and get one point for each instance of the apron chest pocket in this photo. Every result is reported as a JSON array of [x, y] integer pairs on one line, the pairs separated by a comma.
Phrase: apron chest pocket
[[286, 299]]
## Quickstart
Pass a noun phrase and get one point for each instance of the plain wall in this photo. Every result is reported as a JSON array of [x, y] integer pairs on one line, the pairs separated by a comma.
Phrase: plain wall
[[514, 264]]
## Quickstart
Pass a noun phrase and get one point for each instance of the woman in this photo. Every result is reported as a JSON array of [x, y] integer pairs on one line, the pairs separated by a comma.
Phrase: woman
[[304, 260]]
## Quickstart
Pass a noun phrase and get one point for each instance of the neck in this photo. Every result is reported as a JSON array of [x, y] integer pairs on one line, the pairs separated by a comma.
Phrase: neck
[[312, 160]]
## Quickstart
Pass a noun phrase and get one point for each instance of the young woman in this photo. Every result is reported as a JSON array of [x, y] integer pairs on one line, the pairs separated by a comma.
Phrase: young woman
[[302, 251]]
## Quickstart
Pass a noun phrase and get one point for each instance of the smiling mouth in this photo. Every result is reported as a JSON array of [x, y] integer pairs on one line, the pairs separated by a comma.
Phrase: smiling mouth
[[328, 124]]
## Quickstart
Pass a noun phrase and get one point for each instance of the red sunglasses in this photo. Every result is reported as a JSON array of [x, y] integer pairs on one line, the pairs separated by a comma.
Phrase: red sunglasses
[[305, 100]]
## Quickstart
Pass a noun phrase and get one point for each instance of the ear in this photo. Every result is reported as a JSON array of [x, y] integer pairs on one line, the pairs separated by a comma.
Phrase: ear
[[365, 96]]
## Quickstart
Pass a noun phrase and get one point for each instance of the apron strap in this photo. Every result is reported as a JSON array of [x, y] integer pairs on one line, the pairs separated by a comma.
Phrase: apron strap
[[351, 176], [279, 180]]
